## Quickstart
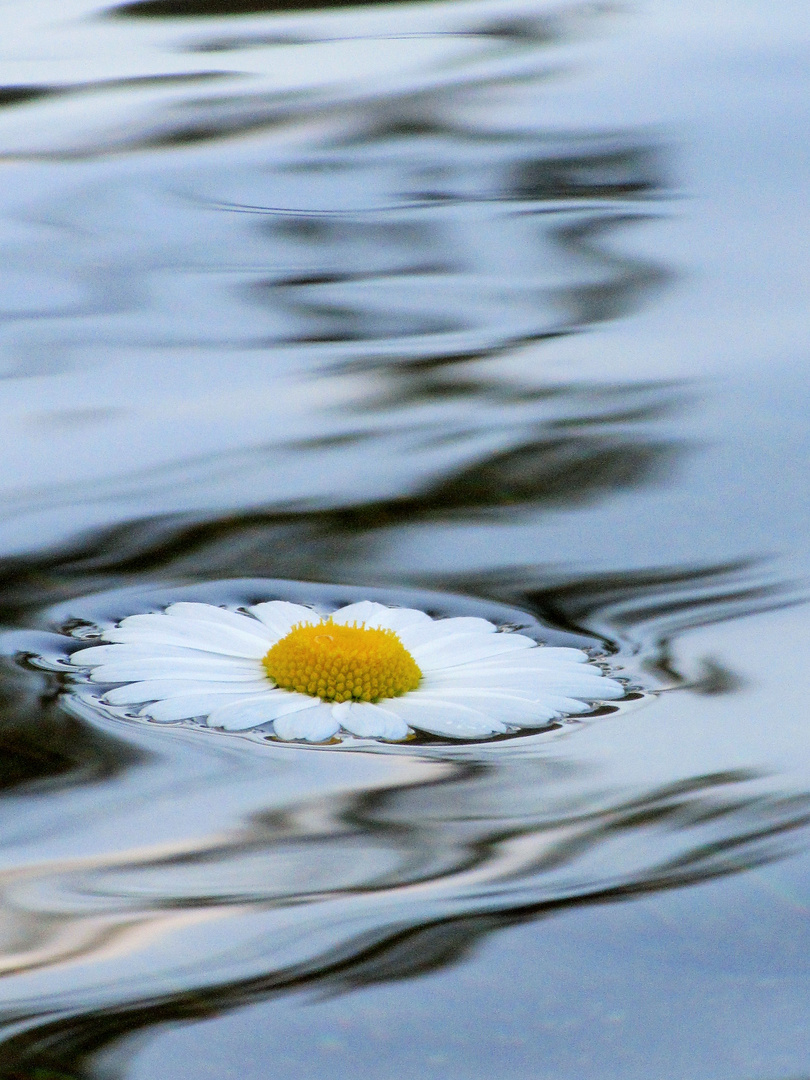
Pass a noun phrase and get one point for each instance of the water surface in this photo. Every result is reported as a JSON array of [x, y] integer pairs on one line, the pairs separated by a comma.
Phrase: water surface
[[502, 299]]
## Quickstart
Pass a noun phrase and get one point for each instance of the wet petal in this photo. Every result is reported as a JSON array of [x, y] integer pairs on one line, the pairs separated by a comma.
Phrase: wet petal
[[453, 649], [424, 633], [198, 659], [588, 684], [508, 708], [313, 725], [381, 617], [252, 712], [443, 718], [162, 689], [510, 672], [191, 633], [542, 656], [221, 617], [100, 654], [280, 617], [370, 721], [399, 619], [186, 706], [170, 668], [365, 612]]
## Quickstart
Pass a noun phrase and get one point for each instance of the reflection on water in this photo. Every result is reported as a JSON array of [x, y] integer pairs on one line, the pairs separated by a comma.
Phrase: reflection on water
[[382, 316], [414, 295], [484, 451], [343, 888], [273, 869]]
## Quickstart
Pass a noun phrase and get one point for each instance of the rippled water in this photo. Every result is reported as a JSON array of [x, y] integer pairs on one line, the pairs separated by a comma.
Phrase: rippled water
[[499, 299]]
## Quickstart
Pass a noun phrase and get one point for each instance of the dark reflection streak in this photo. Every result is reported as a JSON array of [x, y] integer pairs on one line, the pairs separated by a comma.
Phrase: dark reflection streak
[[284, 211], [544, 30], [563, 471], [622, 292], [195, 9], [366, 815], [653, 605], [621, 172], [551, 27], [655, 610], [323, 39], [549, 464], [585, 182], [19, 95], [405, 951], [56, 751], [585, 596], [560, 206], [341, 278], [423, 203]]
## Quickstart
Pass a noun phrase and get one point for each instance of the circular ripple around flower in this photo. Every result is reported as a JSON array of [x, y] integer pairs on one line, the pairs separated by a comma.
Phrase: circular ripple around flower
[[340, 664]]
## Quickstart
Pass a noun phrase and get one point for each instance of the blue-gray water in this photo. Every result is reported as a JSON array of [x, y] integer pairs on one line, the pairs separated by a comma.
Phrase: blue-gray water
[[503, 299]]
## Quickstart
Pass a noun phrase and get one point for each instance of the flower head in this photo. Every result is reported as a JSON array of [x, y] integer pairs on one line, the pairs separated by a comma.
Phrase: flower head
[[366, 669]]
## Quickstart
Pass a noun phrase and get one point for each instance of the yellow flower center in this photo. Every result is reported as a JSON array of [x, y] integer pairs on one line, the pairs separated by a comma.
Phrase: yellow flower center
[[342, 663]]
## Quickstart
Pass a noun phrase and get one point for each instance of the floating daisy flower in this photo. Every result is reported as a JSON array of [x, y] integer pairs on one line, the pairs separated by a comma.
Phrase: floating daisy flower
[[367, 670]]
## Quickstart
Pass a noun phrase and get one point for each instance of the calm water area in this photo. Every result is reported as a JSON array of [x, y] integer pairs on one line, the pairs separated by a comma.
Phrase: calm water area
[[505, 300]]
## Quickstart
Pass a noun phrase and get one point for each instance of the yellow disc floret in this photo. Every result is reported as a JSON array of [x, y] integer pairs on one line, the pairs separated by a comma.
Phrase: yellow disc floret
[[342, 663]]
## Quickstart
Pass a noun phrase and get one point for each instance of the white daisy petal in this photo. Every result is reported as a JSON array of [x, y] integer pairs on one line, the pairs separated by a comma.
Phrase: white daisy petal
[[158, 689], [213, 670], [261, 709], [589, 685], [423, 633], [312, 725], [443, 718], [556, 700], [566, 706], [187, 706], [588, 689], [456, 649], [280, 617], [557, 653], [542, 657], [369, 721], [367, 613], [509, 671], [200, 660], [466, 624], [208, 613], [511, 708], [610, 689], [191, 633], [100, 654], [402, 619]]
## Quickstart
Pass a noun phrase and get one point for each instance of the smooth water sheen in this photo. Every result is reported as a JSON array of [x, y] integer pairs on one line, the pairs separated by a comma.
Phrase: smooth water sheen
[[495, 302]]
